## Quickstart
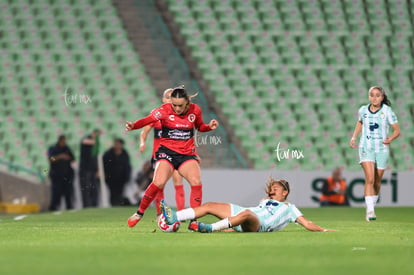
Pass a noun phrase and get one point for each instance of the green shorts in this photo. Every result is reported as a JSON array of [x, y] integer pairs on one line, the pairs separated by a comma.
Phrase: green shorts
[[380, 158]]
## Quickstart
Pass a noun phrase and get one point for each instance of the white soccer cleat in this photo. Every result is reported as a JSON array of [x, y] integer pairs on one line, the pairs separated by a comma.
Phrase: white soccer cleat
[[371, 216]]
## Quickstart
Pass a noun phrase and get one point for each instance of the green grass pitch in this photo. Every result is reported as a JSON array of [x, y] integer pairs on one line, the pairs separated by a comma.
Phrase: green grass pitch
[[98, 241]]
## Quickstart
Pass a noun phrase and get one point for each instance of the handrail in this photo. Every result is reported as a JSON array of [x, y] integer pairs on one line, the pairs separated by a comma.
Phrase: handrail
[[14, 167]]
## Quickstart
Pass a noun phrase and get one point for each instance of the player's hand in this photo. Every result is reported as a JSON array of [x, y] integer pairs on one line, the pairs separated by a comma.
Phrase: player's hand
[[387, 141], [329, 230], [142, 147], [65, 156], [213, 124], [352, 143], [129, 126]]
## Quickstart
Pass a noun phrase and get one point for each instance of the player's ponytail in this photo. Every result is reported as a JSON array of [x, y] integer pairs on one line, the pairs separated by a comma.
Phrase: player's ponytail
[[385, 99], [180, 92]]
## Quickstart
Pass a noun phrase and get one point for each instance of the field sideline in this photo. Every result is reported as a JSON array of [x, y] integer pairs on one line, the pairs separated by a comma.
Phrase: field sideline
[[98, 241]]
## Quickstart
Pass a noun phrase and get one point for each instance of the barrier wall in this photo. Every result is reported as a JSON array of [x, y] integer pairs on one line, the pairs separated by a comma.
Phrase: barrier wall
[[246, 187], [23, 190]]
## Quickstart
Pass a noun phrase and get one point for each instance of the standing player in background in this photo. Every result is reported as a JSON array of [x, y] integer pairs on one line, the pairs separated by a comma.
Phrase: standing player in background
[[177, 150], [61, 173], [374, 120], [88, 169], [177, 178]]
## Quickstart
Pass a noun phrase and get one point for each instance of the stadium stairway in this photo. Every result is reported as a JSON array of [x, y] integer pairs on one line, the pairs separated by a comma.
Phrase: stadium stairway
[[199, 76], [140, 37], [149, 37]]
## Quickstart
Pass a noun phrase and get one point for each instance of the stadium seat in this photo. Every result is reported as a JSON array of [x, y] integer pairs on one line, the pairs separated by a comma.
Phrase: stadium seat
[[297, 54], [52, 46]]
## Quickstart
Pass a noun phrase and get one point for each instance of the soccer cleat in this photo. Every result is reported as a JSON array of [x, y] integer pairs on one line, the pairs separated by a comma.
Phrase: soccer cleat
[[134, 219], [169, 214], [204, 228], [370, 217], [193, 225]]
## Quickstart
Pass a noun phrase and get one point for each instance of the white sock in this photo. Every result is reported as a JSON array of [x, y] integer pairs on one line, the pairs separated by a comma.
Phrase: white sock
[[375, 199], [220, 225], [186, 214], [369, 201]]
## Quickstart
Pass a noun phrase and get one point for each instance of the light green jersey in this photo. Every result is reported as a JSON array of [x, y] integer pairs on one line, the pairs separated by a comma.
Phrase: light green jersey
[[275, 215], [375, 127]]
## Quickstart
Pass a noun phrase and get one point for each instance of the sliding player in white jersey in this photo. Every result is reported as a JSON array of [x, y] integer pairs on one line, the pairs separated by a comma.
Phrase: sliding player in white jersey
[[374, 120], [272, 214]]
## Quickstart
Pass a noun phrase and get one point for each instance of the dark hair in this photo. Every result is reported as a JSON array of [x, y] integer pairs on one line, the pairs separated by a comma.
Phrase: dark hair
[[180, 92], [61, 138], [385, 100], [120, 140]]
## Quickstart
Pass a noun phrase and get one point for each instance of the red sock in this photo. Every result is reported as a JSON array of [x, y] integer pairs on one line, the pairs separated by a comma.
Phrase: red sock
[[157, 200], [149, 195], [196, 195], [179, 196]]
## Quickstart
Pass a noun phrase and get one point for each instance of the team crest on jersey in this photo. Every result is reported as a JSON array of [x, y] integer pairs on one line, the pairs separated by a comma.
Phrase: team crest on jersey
[[171, 117], [157, 115], [382, 115], [191, 117]]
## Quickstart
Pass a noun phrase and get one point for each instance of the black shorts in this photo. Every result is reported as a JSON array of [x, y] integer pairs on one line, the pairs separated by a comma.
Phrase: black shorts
[[153, 162], [174, 158]]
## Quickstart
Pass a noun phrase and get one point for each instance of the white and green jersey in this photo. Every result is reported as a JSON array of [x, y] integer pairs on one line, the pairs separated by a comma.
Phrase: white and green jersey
[[375, 127], [275, 215]]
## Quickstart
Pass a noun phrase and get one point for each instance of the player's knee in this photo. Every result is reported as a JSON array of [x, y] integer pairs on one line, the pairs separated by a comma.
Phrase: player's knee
[[194, 181], [159, 183], [208, 204], [370, 180], [246, 214]]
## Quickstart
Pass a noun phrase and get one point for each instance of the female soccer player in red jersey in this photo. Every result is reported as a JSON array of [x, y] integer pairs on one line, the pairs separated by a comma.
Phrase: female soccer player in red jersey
[[177, 178], [177, 150]]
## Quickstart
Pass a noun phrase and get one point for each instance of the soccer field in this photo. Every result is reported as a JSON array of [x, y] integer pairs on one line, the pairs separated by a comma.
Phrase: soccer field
[[98, 241]]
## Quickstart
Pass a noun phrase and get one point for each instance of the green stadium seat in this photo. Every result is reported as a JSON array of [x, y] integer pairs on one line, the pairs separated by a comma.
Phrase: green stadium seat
[[303, 53]]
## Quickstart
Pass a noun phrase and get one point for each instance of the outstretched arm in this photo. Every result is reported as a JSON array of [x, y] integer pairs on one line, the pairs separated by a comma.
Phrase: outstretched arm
[[143, 137], [310, 225], [129, 126]]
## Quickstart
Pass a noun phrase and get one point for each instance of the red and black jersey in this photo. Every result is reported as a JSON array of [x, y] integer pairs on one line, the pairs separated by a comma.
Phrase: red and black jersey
[[157, 136], [177, 130]]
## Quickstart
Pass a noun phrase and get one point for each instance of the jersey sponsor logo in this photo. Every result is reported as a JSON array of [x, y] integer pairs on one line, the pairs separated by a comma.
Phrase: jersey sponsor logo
[[177, 133], [164, 156], [157, 133], [191, 117], [273, 203], [171, 117], [182, 125], [373, 126]]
